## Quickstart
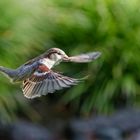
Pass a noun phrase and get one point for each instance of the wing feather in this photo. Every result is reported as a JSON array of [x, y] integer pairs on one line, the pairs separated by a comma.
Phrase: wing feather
[[85, 58], [48, 82], [56, 85]]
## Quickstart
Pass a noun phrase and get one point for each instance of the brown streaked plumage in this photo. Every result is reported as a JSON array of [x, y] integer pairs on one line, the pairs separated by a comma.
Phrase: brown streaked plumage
[[38, 77]]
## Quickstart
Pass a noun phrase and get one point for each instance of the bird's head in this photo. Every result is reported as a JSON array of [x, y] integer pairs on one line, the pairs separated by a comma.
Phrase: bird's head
[[57, 55]]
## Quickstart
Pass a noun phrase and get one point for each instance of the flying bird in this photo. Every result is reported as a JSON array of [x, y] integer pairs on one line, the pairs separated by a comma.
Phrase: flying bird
[[38, 77]]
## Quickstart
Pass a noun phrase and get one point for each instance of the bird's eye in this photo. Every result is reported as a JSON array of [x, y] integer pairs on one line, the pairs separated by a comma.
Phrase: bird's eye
[[59, 53]]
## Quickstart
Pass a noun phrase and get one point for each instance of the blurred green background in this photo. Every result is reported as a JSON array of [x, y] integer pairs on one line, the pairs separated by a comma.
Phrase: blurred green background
[[30, 27]]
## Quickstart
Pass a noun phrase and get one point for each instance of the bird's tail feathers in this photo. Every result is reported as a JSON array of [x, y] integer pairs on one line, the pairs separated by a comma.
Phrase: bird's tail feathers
[[8, 72]]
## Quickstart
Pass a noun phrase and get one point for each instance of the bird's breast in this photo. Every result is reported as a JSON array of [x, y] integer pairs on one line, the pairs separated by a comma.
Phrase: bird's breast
[[43, 68]]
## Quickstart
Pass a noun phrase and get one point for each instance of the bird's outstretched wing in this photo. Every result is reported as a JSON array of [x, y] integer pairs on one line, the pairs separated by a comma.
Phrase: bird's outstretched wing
[[85, 58], [46, 82]]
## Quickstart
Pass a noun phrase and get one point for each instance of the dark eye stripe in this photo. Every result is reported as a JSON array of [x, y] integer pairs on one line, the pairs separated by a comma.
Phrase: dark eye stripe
[[48, 55]]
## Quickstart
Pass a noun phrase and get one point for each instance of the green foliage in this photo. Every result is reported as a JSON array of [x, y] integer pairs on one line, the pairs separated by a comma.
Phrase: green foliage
[[28, 28]]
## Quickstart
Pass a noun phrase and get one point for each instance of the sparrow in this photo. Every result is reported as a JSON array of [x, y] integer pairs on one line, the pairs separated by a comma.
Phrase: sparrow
[[37, 76]]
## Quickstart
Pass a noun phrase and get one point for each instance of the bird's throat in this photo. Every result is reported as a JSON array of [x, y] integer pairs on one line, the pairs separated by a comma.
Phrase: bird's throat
[[47, 62]]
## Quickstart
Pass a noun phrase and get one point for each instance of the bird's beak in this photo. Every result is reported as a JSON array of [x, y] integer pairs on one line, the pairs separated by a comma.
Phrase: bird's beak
[[65, 58]]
